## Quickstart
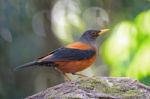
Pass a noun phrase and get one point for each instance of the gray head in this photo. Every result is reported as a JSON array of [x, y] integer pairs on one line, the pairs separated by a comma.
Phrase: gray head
[[90, 35]]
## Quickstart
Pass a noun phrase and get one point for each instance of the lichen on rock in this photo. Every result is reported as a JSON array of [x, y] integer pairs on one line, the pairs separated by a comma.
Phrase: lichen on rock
[[95, 88]]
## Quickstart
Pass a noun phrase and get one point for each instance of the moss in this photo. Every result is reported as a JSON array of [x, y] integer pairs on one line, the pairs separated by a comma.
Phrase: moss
[[103, 86], [131, 93], [91, 84]]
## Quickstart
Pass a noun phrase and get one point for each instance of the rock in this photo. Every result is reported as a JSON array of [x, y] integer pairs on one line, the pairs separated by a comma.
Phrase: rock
[[96, 88]]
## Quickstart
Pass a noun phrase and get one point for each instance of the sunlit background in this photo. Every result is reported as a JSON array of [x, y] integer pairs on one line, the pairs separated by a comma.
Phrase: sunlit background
[[32, 28]]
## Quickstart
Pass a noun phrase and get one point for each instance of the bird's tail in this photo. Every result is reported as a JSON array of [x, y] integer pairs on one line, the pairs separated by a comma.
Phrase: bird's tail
[[26, 65]]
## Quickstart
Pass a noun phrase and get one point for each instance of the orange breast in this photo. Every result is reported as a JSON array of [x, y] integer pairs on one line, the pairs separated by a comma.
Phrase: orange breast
[[75, 66]]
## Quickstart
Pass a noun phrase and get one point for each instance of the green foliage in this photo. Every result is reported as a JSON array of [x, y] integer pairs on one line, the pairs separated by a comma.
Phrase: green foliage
[[127, 51]]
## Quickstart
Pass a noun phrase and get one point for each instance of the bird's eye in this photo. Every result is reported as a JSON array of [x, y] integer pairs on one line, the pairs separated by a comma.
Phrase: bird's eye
[[94, 34]]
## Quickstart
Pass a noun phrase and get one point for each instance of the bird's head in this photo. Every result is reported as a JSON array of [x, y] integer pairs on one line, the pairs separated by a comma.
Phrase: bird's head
[[90, 35]]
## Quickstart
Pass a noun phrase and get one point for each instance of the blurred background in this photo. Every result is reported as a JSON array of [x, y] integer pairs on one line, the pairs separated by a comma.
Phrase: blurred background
[[32, 28]]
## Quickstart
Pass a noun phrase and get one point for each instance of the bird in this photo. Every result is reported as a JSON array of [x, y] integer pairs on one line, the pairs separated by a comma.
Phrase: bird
[[73, 57]]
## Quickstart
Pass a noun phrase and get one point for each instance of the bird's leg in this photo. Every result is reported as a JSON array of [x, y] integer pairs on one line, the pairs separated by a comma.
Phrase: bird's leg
[[66, 77], [79, 74]]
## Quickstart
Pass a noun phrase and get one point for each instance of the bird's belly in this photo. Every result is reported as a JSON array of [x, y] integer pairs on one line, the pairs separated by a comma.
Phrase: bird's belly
[[75, 66]]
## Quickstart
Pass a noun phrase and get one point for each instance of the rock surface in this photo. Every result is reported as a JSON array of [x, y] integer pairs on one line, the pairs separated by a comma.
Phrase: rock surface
[[96, 88]]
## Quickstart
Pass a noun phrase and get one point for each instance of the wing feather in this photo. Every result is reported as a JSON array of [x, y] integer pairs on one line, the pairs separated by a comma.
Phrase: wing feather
[[69, 54]]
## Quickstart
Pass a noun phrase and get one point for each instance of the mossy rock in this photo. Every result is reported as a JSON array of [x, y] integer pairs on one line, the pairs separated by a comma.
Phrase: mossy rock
[[96, 88]]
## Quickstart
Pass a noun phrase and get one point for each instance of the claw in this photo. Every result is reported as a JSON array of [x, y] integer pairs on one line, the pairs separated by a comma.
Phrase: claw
[[79, 74], [66, 77]]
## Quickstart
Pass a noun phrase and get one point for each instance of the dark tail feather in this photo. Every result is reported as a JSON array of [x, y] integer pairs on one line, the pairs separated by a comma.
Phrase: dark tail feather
[[26, 65]]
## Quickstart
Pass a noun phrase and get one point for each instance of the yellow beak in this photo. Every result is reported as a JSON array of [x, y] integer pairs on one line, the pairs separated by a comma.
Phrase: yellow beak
[[103, 31]]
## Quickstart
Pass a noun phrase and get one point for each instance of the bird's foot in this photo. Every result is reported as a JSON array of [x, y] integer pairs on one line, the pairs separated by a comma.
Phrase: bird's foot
[[66, 77], [94, 76], [79, 74]]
